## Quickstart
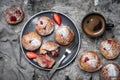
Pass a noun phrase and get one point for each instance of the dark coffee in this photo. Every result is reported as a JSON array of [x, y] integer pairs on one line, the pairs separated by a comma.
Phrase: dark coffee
[[94, 24]]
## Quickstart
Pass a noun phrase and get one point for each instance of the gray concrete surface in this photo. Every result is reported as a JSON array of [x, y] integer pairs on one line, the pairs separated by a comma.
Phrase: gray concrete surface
[[76, 9]]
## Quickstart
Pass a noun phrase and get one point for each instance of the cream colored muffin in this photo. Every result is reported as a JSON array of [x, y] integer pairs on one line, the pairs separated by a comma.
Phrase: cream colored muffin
[[64, 35], [14, 14], [44, 26], [50, 47], [110, 71], [110, 48], [31, 41], [89, 61]]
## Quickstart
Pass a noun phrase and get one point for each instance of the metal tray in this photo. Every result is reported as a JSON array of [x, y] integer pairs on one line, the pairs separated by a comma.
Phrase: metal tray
[[30, 26]]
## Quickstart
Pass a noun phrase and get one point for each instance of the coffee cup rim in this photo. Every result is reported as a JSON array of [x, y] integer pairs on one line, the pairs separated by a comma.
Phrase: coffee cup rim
[[93, 13]]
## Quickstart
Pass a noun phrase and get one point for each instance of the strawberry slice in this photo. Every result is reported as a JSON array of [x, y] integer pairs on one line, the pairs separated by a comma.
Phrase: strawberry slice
[[31, 55], [57, 18]]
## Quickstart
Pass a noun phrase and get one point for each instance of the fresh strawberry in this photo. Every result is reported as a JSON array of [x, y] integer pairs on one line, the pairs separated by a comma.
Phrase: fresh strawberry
[[57, 18], [31, 55]]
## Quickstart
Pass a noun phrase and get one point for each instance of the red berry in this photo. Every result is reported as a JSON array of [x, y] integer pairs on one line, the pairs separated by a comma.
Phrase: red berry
[[56, 54], [17, 12], [109, 41], [61, 35], [30, 41], [86, 59], [31, 55], [13, 18], [104, 48], [44, 28], [57, 18], [41, 22]]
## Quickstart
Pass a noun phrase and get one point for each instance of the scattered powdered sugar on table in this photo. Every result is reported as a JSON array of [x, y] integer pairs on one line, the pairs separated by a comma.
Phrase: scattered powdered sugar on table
[[112, 70]]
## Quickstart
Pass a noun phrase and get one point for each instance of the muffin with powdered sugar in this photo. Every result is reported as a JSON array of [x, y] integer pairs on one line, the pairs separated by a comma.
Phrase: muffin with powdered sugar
[[50, 47], [89, 61], [110, 48], [110, 71], [31, 41], [64, 35], [44, 26], [14, 14]]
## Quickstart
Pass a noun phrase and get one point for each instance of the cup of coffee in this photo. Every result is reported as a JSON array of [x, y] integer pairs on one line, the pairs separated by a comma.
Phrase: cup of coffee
[[94, 24]]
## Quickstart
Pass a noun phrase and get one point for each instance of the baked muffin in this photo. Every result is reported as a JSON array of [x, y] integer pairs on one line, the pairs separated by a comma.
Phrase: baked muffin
[[110, 71], [31, 41], [44, 26], [14, 14], [45, 61], [110, 48], [64, 35], [89, 61], [50, 47]]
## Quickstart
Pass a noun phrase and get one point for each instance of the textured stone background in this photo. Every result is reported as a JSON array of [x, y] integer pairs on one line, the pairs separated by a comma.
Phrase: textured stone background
[[76, 9]]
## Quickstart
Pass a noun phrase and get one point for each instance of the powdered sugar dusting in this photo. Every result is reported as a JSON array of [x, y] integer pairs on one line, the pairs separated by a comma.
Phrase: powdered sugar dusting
[[44, 22], [63, 31], [35, 42], [50, 47], [48, 31], [108, 47], [45, 25], [92, 60], [112, 70]]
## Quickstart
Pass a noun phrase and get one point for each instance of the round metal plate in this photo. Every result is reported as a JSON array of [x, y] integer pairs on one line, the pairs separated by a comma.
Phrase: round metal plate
[[30, 26]]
